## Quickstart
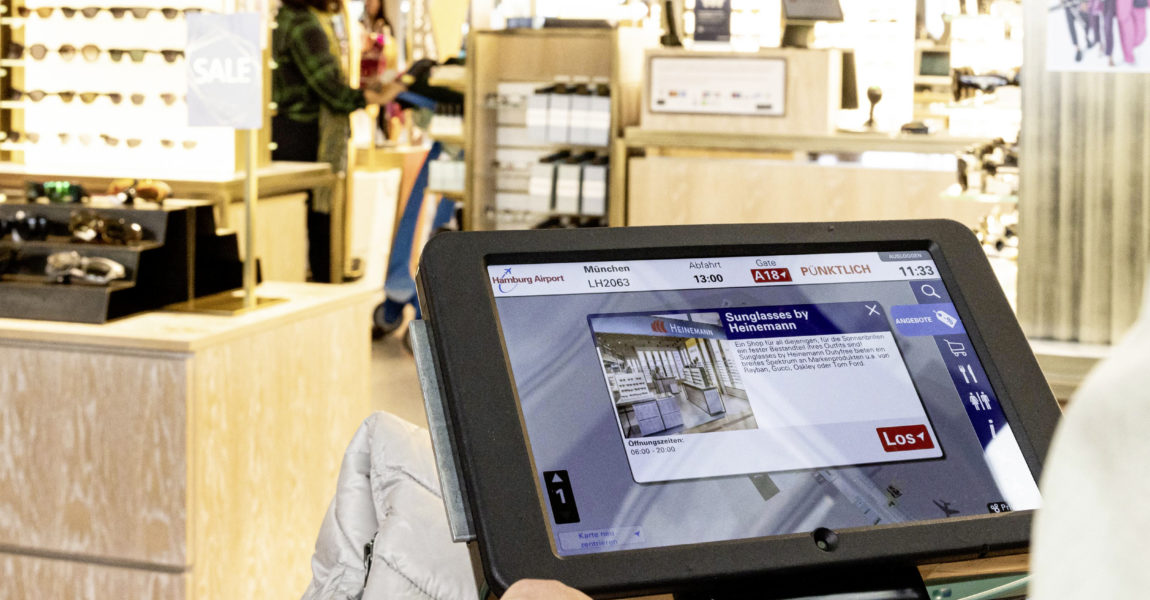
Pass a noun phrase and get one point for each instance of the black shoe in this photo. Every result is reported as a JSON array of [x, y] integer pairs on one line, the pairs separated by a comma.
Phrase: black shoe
[[1078, 55]]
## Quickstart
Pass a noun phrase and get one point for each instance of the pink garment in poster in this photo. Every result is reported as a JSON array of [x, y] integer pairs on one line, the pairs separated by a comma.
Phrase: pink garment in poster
[[1131, 27]]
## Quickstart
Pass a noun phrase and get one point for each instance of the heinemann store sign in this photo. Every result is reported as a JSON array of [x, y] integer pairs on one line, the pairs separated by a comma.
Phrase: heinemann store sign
[[655, 325]]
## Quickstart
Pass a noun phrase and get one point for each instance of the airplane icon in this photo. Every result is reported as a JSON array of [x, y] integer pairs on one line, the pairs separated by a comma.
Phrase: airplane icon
[[944, 506], [506, 274]]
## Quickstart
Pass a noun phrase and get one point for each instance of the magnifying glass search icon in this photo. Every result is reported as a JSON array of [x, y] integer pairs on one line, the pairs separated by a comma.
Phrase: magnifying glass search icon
[[928, 290]]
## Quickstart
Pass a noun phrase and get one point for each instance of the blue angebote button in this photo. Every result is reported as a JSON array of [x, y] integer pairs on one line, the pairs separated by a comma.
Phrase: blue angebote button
[[926, 319]]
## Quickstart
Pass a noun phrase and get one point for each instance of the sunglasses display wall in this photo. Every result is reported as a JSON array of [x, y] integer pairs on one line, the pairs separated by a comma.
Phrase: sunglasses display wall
[[84, 263], [88, 89], [91, 12]]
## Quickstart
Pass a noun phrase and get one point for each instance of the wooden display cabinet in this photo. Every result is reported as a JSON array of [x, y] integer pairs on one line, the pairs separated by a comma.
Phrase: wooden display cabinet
[[540, 57]]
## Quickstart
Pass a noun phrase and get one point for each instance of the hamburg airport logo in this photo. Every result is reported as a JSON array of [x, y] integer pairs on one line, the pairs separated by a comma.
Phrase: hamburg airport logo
[[659, 327], [506, 288], [506, 283]]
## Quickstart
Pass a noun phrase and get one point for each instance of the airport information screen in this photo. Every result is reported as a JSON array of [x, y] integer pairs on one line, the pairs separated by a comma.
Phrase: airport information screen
[[686, 401]]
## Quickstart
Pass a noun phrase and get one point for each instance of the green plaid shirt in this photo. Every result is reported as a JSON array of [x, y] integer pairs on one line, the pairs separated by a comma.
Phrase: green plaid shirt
[[307, 74]]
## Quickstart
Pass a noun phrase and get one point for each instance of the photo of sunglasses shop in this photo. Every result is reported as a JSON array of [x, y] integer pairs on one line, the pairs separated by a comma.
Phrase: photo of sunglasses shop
[[671, 374]]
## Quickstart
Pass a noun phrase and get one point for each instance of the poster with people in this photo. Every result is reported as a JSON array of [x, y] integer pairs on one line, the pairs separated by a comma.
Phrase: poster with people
[[1097, 35]]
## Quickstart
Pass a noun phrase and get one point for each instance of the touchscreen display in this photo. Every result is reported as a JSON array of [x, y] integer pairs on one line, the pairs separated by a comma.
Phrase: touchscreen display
[[685, 401]]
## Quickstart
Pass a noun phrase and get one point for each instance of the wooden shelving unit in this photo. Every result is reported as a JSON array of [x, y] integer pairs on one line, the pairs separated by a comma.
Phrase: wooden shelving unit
[[540, 57]]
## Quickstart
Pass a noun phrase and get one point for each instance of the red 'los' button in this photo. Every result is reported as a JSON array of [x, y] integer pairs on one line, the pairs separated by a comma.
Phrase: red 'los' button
[[906, 437]]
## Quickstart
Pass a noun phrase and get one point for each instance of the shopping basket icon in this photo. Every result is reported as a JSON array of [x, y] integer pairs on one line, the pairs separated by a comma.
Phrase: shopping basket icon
[[956, 348]]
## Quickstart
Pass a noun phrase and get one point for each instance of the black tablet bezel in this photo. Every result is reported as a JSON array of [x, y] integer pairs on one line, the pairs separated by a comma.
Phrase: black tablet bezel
[[513, 538]]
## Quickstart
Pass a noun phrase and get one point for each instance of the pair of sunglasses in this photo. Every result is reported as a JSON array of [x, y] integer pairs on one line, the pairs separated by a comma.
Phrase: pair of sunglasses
[[138, 99], [118, 12], [23, 227], [83, 138], [138, 54], [16, 95], [66, 52], [69, 267], [114, 141], [39, 51], [43, 12], [141, 12], [128, 190], [64, 192], [38, 95], [90, 227], [17, 137], [187, 144], [86, 139]]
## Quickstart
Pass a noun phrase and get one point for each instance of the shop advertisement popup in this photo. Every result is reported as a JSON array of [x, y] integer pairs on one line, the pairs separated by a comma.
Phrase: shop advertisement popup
[[766, 388]]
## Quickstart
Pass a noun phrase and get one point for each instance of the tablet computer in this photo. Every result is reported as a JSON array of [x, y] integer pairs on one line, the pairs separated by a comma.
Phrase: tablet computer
[[656, 409]]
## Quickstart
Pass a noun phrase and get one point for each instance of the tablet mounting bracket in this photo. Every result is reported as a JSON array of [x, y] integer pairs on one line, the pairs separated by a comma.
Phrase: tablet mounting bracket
[[454, 496]]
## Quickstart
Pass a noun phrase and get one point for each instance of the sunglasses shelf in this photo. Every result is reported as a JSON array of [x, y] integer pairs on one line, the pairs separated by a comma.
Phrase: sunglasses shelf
[[56, 243], [77, 58], [156, 269]]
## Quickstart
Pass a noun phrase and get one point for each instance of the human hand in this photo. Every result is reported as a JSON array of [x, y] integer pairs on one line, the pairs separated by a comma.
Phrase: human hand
[[384, 94], [542, 589], [373, 40]]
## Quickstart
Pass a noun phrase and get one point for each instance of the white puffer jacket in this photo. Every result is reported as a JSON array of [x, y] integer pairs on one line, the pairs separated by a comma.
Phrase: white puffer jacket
[[1089, 538], [388, 496]]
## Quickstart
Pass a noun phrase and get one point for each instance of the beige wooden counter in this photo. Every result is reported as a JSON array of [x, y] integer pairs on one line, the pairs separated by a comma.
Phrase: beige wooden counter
[[690, 190], [841, 142], [172, 455], [680, 177]]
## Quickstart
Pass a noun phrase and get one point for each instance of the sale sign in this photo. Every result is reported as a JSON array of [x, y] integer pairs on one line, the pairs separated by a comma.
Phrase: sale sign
[[225, 75]]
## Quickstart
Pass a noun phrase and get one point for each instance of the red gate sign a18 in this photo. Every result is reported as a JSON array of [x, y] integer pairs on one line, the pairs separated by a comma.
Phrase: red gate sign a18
[[770, 275]]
